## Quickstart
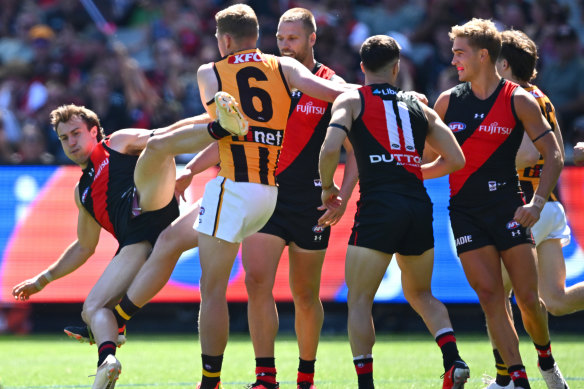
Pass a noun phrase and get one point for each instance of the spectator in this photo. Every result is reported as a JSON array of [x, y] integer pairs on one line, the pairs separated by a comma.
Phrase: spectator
[[562, 79]]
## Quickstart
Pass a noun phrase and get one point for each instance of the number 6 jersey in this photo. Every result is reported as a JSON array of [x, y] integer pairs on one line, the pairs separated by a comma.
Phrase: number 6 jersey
[[256, 81]]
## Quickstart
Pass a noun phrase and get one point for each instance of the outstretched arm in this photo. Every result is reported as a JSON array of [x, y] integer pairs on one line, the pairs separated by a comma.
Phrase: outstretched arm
[[72, 258]]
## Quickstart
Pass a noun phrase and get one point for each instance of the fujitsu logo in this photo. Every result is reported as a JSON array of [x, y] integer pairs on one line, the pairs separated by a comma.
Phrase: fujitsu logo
[[243, 58], [309, 108], [494, 128], [103, 164]]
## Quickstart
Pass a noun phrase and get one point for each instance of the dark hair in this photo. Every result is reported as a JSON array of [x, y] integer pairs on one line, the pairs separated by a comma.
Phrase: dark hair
[[481, 34], [521, 54], [239, 21], [64, 113], [379, 51]]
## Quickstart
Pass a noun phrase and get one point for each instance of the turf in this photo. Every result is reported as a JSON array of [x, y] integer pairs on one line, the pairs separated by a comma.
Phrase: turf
[[172, 361]]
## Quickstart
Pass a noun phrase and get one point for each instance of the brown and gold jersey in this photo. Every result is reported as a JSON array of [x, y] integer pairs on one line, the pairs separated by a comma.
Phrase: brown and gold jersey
[[256, 81], [529, 177]]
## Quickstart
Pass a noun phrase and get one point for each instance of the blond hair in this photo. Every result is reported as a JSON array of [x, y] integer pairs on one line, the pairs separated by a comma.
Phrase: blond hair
[[481, 34]]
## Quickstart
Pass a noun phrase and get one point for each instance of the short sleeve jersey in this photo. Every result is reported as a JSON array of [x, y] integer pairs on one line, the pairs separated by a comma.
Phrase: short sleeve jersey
[[107, 185], [388, 138], [489, 133], [529, 177], [297, 171], [256, 81]]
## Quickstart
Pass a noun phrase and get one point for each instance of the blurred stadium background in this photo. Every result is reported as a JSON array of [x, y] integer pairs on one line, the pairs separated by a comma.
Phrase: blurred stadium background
[[134, 62]]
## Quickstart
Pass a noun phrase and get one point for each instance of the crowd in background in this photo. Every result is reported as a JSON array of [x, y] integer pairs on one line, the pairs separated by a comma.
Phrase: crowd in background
[[134, 62]]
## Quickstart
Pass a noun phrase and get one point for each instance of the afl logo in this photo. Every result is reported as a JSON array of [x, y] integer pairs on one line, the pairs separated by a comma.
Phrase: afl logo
[[457, 126], [512, 225], [202, 211], [318, 229]]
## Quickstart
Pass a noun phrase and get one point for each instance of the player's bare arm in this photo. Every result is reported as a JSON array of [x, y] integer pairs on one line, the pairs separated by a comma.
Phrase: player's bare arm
[[540, 132], [444, 144], [71, 259], [579, 154], [440, 108], [527, 155], [299, 77], [345, 108], [208, 84]]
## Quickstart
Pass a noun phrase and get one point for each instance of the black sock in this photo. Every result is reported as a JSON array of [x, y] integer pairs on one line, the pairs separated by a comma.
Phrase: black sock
[[105, 349], [266, 372], [519, 376], [305, 371], [216, 131], [364, 368], [124, 311], [503, 377], [447, 344], [211, 371], [545, 359]]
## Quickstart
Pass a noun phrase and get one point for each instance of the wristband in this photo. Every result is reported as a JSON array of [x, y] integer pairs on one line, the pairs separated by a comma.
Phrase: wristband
[[48, 276], [37, 285], [538, 201]]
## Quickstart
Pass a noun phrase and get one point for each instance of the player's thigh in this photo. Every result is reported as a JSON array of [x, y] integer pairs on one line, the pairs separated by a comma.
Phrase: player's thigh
[[181, 234], [216, 257], [551, 268], [305, 269], [482, 267], [520, 262], [260, 256], [416, 271], [364, 270], [118, 276]]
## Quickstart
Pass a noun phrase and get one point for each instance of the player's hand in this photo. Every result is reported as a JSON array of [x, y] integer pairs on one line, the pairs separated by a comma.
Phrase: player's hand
[[331, 202], [182, 183], [579, 154], [333, 215], [27, 288], [420, 96], [527, 215]]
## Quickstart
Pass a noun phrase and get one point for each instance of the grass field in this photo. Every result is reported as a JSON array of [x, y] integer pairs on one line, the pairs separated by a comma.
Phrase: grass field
[[173, 361]]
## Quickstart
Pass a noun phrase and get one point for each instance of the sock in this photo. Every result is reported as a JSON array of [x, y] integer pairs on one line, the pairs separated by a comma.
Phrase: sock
[[447, 343], [545, 358], [105, 349], [364, 367], [266, 372], [124, 311], [216, 131], [503, 377], [211, 371], [519, 376], [305, 371]]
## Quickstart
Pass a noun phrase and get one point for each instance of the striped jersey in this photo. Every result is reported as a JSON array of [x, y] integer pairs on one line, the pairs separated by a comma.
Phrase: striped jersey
[[489, 133], [256, 81], [388, 139], [529, 177]]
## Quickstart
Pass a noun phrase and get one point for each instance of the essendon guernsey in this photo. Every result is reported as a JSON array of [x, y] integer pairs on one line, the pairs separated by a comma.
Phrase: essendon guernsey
[[489, 133], [258, 84], [106, 185], [305, 131], [388, 138]]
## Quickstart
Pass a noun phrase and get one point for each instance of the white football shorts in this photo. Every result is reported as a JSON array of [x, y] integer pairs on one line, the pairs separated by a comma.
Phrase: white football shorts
[[552, 224], [233, 211]]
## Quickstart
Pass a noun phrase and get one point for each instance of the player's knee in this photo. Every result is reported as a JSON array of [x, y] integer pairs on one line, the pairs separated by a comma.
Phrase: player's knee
[[529, 302], [258, 281], [155, 145], [305, 298], [88, 312]]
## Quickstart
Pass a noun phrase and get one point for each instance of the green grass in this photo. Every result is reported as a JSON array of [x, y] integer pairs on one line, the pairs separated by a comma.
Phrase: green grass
[[173, 361]]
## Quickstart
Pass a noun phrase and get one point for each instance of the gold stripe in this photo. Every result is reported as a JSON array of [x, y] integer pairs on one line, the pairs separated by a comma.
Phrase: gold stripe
[[211, 374], [218, 213], [502, 370], [122, 313]]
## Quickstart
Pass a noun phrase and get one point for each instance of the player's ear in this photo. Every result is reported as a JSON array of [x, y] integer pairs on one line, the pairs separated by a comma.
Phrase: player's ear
[[93, 131], [312, 39]]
